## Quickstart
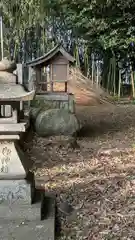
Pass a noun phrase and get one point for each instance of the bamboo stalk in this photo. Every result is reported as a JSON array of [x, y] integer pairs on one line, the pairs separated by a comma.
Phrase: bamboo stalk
[[97, 75], [109, 75], [132, 81], [1, 37], [114, 76], [119, 89], [92, 74]]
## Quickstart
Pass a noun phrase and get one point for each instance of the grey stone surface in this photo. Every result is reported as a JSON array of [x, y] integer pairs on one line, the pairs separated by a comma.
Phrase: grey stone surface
[[34, 113], [7, 65], [11, 161], [14, 92], [71, 103], [53, 96], [19, 222], [6, 77], [56, 122], [18, 230], [54, 100], [16, 191], [13, 127], [21, 212], [9, 137]]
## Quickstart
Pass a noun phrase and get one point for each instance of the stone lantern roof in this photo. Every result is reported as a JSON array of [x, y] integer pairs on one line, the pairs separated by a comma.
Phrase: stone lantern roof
[[10, 90]]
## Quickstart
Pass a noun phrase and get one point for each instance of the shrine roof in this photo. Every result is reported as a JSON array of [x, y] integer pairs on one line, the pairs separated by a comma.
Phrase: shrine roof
[[49, 56], [15, 92]]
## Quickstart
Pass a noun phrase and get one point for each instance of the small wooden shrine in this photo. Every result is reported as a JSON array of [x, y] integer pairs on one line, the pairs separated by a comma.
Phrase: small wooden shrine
[[57, 62]]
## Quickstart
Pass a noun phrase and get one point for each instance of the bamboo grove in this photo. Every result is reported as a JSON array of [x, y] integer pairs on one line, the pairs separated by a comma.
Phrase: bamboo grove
[[99, 33]]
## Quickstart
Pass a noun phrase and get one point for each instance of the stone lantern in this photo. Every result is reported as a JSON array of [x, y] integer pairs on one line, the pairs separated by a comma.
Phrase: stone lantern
[[14, 169], [20, 213]]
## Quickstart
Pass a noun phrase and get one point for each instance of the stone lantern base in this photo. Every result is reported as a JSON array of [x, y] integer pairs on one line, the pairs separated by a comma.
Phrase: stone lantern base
[[16, 183]]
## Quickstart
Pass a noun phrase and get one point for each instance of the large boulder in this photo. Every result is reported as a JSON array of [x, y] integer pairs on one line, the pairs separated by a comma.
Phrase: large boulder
[[34, 113], [54, 122], [7, 65]]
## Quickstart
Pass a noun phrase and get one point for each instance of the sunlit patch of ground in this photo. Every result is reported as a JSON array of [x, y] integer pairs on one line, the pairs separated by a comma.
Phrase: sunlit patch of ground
[[98, 178]]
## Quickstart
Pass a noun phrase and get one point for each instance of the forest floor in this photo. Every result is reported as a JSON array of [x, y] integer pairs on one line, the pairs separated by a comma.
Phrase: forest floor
[[97, 178]]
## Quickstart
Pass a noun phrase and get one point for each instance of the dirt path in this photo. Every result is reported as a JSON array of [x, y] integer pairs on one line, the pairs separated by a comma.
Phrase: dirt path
[[99, 183]]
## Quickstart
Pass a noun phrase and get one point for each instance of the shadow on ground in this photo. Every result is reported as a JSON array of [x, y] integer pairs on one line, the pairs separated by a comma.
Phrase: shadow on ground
[[96, 121]]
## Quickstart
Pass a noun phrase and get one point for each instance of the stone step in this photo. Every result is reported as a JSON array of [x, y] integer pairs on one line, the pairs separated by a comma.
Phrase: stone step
[[37, 211], [35, 230], [21, 212], [21, 222]]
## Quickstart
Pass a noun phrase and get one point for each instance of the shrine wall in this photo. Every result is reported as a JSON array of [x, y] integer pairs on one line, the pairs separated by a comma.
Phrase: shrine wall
[[55, 100]]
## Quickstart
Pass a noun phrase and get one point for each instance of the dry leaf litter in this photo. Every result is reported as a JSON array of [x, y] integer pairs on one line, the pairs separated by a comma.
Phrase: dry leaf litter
[[97, 178]]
